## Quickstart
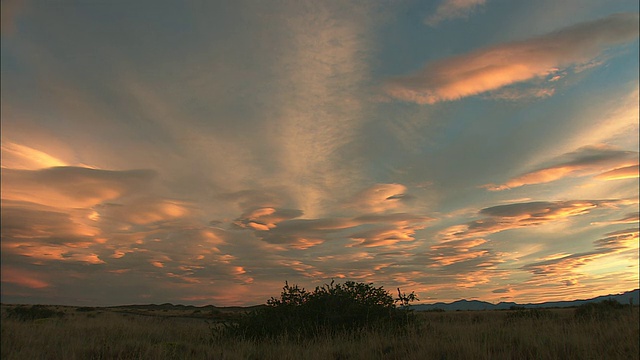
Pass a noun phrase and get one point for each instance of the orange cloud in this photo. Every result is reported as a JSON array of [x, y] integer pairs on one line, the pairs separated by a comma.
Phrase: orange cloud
[[498, 66], [265, 218], [21, 157], [565, 268], [142, 211], [23, 278], [562, 265], [627, 172], [28, 220], [386, 235], [303, 244], [619, 240], [448, 253], [448, 259], [584, 161], [38, 251], [518, 215], [379, 198], [71, 187]]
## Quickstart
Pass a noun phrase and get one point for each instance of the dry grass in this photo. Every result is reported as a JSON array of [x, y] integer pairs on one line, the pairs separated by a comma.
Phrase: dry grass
[[110, 334]]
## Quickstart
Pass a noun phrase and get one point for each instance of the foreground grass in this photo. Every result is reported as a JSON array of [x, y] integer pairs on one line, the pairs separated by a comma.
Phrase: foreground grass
[[109, 334]]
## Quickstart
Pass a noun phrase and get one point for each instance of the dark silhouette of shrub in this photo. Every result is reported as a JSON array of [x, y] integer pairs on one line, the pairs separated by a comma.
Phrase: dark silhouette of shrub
[[605, 309], [34, 312], [330, 308]]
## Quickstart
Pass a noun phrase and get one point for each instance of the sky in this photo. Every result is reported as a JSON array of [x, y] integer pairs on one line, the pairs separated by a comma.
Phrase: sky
[[206, 152]]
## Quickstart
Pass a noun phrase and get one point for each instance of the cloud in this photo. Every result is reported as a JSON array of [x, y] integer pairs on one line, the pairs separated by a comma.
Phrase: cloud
[[21, 157], [501, 291], [563, 265], [379, 197], [453, 9], [376, 227], [23, 278], [72, 187], [628, 219], [501, 65], [141, 211], [265, 218], [321, 68], [387, 235], [627, 172], [565, 268], [519, 215], [619, 240], [584, 161], [27, 220], [302, 233], [518, 94]]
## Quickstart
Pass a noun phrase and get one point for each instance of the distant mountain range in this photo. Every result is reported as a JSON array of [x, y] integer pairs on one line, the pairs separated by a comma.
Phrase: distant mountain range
[[483, 305], [453, 306]]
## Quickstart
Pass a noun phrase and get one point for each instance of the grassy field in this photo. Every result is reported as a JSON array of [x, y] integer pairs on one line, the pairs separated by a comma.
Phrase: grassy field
[[178, 333]]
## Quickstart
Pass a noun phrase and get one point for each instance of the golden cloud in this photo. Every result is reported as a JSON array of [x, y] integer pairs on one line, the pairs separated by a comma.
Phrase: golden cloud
[[505, 64], [584, 161]]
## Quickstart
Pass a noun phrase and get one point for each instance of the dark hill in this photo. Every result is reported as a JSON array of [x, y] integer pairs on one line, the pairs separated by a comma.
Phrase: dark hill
[[483, 305]]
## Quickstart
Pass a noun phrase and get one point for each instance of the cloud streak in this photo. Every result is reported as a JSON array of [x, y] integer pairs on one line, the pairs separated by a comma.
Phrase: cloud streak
[[584, 161], [70, 186], [501, 65], [520, 215], [453, 9]]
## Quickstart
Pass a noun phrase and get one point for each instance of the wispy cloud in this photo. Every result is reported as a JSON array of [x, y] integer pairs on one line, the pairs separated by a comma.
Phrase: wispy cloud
[[22, 157], [23, 277], [379, 197], [453, 9], [520, 215], [501, 65], [619, 240], [626, 172], [71, 186], [567, 268], [584, 161]]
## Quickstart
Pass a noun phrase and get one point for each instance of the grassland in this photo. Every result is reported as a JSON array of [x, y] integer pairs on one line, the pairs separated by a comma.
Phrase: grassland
[[185, 333]]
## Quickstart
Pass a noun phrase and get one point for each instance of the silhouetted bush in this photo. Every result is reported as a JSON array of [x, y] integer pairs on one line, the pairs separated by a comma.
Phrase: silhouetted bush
[[605, 309], [34, 312], [331, 308]]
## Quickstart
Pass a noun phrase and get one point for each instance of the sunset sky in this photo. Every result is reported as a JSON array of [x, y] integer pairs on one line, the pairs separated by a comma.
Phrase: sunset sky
[[207, 152]]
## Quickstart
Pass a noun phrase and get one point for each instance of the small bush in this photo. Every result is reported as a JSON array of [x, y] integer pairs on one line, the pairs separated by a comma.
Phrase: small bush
[[331, 308], [34, 312], [605, 309]]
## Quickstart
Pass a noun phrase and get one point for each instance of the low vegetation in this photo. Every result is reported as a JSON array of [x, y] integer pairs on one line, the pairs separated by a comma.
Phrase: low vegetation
[[607, 309], [316, 328], [329, 309]]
